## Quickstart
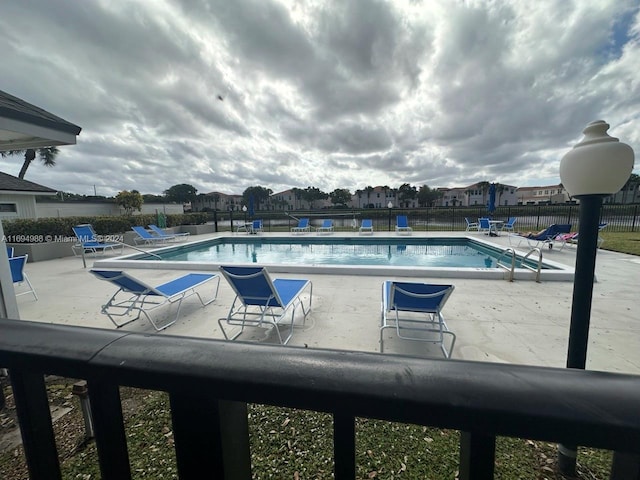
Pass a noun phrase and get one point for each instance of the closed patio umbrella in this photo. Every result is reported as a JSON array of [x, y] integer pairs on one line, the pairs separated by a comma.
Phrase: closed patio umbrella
[[251, 207], [492, 198]]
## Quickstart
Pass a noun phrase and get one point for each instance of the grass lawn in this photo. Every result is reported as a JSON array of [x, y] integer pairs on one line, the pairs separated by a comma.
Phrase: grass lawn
[[291, 444]]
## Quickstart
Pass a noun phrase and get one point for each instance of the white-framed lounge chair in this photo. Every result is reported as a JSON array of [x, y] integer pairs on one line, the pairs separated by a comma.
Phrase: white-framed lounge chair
[[169, 236], [574, 239], [366, 227], [18, 275], [302, 227], [508, 226], [326, 227], [257, 227], [546, 237], [414, 310], [484, 225], [136, 297], [470, 225], [402, 225], [261, 300], [146, 238], [88, 241]]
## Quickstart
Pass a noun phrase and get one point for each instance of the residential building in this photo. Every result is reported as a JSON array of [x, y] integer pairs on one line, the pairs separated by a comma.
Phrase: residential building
[[477, 194], [18, 197], [542, 195], [217, 200]]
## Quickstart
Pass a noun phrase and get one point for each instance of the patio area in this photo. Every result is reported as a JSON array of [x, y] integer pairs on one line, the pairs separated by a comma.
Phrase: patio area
[[521, 322]]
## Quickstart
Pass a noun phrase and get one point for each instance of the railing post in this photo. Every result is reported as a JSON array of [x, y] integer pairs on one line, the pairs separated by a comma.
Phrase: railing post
[[626, 466], [215, 220], [210, 437], [34, 417], [111, 440], [477, 456], [344, 446]]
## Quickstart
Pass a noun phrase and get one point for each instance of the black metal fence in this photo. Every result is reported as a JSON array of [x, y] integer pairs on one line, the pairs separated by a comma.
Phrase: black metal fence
[[619, 218], [210, 382]]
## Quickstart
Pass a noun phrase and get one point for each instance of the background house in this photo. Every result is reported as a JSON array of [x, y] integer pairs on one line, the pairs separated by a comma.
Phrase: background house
[[18, 197]]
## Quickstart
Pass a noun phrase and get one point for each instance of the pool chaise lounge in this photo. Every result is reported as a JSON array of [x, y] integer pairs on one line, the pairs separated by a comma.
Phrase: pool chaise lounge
[[135, 296], [88, 241], [414, 310], [168, 236], [302, 227], [326, 228], [366, 228], [402, 225], [261, 300]]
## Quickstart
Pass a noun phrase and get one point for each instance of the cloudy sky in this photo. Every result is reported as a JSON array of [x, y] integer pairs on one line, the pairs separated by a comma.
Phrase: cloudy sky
[[227, 94]]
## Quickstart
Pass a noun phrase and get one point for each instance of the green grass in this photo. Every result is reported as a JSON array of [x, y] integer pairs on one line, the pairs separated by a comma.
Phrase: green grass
[[296, 444]]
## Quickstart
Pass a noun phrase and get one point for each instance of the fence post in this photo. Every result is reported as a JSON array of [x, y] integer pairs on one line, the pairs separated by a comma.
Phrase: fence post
[[215, 220], [635, 214]]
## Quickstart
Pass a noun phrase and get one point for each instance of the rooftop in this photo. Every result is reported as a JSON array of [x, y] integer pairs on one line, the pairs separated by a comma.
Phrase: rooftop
[[520, 322]]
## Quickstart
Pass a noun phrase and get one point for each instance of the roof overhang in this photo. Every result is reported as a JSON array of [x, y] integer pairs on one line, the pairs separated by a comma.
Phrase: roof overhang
[[18, 135]]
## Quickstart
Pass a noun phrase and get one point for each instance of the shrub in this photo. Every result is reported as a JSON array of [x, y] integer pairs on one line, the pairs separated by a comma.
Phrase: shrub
[[104, 225]]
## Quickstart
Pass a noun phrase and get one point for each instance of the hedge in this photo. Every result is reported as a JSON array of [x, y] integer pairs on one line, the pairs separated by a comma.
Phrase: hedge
[[104, 225]]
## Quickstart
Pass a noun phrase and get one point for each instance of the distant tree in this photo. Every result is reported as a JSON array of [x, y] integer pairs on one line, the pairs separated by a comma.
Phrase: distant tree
[[181, 193], [340, 196], [297, 196], [484, 188], [260, 195], [405, 193], [313, 194], [151, 198], [130, 201], [427, 196], [47, 156], [631, 185]]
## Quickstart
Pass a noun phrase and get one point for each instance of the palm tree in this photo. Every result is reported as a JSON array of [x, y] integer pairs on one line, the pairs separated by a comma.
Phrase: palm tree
[[484, 188], [47, 156]]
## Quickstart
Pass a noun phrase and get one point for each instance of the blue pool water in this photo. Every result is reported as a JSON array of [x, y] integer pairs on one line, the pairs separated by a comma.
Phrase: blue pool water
[[401, 252]]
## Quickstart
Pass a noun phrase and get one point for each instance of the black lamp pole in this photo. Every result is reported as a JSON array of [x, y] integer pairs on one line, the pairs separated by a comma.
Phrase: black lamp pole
[[581, 304], [390, 206], [597, 166]]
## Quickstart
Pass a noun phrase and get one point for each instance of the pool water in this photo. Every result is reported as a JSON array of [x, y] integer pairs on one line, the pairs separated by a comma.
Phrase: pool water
[[405, 252]]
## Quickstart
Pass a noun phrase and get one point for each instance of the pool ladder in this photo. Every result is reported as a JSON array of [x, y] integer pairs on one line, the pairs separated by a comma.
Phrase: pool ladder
[[510, 252]]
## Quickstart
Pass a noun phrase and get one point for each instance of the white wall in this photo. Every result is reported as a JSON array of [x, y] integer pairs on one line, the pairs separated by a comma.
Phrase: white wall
[[76, 209], [25, 206]]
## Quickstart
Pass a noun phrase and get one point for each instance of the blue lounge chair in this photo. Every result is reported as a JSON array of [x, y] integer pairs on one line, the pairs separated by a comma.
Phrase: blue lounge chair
[[169, 236], [415, 311], [10, 252], [402, 225], [508, 226], [484, 225], [366, 228], [325, 228], [146, 238], [470, 225], [257, 227], [302, 227], [140, 298], [18, 275], [546, 237], [261, 300], [88, 241]]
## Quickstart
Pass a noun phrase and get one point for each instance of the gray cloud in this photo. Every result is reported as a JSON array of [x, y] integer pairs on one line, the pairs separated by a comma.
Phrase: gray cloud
[[225, 95]]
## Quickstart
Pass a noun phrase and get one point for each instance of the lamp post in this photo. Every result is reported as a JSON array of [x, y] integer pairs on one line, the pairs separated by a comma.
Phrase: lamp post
[[597, 166], [244, 210], [390, 206]]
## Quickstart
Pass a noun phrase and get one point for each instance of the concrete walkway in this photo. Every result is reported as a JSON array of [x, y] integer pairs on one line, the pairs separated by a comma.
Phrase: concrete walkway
[[496, 321]]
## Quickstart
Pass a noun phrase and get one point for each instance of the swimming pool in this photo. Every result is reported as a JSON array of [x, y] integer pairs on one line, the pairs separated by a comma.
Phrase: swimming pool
[[463, 257]]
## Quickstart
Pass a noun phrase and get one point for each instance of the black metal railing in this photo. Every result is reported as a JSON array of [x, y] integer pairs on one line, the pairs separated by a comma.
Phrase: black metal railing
[[619, 218], [210, 382]]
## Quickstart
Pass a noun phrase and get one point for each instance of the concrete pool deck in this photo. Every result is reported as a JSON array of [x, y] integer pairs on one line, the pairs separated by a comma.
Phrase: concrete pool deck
[[520, 322]]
